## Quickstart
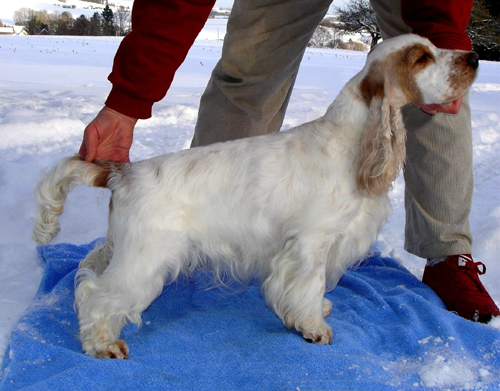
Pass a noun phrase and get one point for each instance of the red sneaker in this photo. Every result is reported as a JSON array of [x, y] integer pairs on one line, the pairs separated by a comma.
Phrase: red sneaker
[[457, 283]]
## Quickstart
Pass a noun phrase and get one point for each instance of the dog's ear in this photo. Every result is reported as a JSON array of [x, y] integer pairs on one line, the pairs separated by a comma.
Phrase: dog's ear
[[382, 149]]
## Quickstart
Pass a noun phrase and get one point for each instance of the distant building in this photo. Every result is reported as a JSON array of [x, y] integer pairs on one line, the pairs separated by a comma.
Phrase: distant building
[[332, 18], [7, 30], [20, 30], [220, 13]]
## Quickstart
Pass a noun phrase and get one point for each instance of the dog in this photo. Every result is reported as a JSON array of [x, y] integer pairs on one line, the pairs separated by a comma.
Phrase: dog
[[293, 208]]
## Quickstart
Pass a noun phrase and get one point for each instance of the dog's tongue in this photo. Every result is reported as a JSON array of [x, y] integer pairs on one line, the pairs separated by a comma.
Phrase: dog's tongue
[[450, 108]]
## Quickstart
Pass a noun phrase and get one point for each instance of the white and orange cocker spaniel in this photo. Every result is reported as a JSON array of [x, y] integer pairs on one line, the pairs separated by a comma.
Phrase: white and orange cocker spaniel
[[294, 208]]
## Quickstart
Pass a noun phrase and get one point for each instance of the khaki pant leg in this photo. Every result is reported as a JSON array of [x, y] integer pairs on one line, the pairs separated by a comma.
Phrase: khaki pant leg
[[250, 87], [438, 173]]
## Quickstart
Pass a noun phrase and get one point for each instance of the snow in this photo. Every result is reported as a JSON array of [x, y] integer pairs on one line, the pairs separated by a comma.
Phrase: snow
[[439, 368], [51, 87]]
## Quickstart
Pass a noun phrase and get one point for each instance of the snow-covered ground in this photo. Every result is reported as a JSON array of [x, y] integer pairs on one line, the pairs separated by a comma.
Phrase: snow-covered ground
[[51, 87]]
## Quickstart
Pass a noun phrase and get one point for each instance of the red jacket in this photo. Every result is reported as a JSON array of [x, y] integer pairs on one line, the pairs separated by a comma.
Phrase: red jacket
[[164, 30], [145, 63], [442, 21]]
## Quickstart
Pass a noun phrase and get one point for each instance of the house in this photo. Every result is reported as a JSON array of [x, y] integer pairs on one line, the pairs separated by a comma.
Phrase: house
[[7, 30]]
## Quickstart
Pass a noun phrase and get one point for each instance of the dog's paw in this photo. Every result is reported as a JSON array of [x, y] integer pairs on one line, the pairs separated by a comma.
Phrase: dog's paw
[[322, 334], [323, 337], [118, 349], [326, 307]]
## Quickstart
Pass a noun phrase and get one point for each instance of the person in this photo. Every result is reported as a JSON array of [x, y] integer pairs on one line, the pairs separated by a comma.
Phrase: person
[[249, 91]]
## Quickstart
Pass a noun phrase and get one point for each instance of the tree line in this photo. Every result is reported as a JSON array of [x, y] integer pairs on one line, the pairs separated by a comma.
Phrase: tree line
[[356, 17], [62, 23]]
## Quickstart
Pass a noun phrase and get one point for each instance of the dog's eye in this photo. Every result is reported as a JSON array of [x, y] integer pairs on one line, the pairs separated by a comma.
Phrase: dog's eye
[[425, 57]]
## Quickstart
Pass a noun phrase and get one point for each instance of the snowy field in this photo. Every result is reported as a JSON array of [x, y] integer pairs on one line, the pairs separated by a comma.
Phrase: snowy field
[[51, 87]]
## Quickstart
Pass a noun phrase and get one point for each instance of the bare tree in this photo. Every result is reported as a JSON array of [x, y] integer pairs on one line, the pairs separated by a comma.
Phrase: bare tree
[[359, 17], [28, 18], [122, 20], [63, 24], [23, 15], [484, 31], [322, 37]]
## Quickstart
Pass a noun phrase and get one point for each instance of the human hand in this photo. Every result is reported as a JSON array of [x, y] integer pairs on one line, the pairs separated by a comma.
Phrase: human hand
[[452, 108], [109, 136]]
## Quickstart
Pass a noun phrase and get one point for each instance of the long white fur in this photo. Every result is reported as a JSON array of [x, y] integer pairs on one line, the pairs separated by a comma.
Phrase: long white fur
[[52, 192], [294, 208]]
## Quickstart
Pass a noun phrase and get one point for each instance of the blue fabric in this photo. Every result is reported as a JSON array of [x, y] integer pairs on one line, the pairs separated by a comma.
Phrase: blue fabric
[[390, 332]]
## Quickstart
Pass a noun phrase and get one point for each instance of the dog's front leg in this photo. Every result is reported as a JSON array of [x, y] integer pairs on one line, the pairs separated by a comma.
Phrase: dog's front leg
[[296, 286]]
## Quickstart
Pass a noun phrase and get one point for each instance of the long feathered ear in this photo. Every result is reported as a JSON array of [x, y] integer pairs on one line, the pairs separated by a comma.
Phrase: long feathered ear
[[382, 150]]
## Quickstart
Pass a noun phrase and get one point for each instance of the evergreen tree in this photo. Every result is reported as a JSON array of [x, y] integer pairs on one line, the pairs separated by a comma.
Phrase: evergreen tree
[[95, 28], [81, 26], [34, 26], [493, 6], [108, 23]]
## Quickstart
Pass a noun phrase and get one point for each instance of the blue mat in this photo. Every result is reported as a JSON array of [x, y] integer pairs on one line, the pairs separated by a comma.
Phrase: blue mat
[[390, 332]]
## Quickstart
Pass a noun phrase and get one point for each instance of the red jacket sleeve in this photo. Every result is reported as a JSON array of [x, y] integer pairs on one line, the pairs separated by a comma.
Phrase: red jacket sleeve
[[148, 57], [443, 22]]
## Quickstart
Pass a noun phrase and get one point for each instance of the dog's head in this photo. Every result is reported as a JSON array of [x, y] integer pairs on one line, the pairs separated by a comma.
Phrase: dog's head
[[402, 70], [410, 69]]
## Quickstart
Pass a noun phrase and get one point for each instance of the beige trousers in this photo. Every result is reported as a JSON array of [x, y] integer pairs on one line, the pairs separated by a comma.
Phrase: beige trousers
[[250, 87]]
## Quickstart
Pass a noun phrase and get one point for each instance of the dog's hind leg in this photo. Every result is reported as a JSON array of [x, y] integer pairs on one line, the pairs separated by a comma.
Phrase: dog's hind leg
[[98, 259], [296, 286], [133, 279]]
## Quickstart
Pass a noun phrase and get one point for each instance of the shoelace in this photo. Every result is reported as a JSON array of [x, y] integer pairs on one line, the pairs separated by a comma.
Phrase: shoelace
[[472, 269]]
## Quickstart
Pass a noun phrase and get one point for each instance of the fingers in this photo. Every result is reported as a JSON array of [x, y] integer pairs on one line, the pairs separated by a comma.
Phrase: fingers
[[83, 150], [88, 149], [91, 140], [109, 136]]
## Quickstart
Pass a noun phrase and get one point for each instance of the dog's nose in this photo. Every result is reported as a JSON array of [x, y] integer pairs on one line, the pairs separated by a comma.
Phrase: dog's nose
[[473, 59]]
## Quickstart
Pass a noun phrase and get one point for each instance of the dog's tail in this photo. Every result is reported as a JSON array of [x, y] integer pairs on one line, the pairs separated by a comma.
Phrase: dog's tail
[[52, 191]]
